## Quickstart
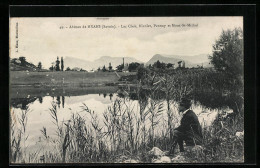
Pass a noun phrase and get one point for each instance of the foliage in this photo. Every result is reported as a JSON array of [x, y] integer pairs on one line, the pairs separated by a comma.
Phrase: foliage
[[51, 68], [159, 65], [57, 66], [142, 72], [62, 64], [169, 65], [68, 69], [110, 67], [23, 61], [120, 67], [133, 66], [104, 68], [40, 65], [228, 54]]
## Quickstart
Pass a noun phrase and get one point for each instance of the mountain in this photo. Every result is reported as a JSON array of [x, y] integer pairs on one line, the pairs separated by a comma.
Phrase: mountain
[[104, 60], [75, 62], [190, 61], [195, 59], [162, 59]]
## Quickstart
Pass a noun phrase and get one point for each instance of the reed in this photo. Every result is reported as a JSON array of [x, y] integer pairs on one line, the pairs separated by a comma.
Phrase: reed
[[19, 136]]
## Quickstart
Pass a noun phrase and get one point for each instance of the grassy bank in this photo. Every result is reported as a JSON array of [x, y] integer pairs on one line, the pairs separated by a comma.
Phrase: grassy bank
[[23, 92], [23, 77]]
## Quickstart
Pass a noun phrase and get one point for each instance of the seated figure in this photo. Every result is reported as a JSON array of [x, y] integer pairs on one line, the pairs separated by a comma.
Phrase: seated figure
[[190, 130]]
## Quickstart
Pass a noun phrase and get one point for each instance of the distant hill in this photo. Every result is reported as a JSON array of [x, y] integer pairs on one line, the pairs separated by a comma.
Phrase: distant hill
[[18, 65], [15, 67], [162, 59], [104, 60], [190, 61]]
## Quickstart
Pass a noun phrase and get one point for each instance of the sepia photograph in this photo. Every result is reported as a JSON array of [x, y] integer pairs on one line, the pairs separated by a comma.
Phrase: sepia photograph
[[126, 90]]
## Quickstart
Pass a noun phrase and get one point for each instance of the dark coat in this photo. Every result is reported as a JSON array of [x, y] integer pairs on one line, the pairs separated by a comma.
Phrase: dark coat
[[190, 128]]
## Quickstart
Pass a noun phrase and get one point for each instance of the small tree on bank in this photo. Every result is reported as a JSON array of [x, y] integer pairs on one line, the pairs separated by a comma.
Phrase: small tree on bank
[[62, 64], [23, 60], [104, 68], [133, 66], [39, 65], [51, 68], [119, 68], [228, 56], [57, 68]]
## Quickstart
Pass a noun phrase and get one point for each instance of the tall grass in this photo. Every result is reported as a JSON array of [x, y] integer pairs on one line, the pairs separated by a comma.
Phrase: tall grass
[[18, 136]]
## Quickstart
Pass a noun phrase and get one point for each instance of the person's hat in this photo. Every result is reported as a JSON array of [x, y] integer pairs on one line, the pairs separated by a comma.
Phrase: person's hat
[[185, 102]]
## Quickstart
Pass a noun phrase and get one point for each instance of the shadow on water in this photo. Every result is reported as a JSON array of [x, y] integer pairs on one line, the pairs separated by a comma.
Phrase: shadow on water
[[218, 100], [21, 97], [211, 100], [22, 103]]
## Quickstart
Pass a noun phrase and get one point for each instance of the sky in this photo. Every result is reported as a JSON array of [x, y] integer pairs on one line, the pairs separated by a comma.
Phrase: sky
[[43, 39]]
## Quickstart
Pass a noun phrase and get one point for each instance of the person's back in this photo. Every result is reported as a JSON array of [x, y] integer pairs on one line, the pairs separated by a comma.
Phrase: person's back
[[189, 130]]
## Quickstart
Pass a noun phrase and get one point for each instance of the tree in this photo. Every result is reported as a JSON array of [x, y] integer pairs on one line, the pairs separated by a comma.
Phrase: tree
[[159, 65], [228, 54], [68, 69], [57, 68], [133, 66], [110, 67], [23, 61], [170, 65], [104, 68], [40, 65], [51, 68], [120, 67], [62, 64], [142, 74]]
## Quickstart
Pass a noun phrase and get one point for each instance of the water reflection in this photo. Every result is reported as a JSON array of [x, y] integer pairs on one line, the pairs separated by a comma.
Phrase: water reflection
[[22, 103], [40, 99], [211, 100], [58, 101], [63, 101], [110, 96]]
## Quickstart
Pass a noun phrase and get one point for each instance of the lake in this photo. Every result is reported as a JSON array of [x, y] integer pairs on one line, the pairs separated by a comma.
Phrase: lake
[[70, 102]]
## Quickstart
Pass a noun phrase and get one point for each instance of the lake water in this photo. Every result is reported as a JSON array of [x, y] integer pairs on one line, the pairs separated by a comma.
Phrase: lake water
[[39, 110]]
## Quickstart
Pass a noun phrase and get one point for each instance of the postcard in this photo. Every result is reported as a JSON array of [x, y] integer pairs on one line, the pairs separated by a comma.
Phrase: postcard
[[126, 90]]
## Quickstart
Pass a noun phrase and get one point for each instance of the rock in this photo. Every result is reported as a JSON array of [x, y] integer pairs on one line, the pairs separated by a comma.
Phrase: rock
[[156, 152], [164, 159], [240, 134], [197, 148], [179, 158]]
